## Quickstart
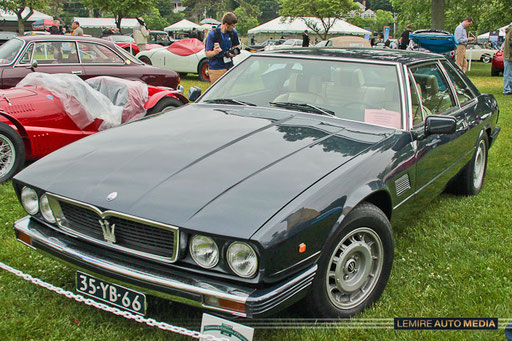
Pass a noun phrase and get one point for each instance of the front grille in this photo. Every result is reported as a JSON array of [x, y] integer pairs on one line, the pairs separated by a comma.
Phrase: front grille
[[133, 235]]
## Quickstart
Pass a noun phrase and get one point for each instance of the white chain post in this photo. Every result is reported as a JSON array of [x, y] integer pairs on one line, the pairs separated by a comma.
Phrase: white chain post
[[79, 298]]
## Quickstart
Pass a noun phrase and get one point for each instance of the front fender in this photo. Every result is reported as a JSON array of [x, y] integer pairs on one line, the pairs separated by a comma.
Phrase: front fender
[[153, 100]]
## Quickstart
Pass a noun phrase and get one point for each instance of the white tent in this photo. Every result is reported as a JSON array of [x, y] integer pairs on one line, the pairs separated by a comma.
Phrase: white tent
[[182, 25], [10, 16], [86, 22], [209, 21], [278, 26], [485, 36]]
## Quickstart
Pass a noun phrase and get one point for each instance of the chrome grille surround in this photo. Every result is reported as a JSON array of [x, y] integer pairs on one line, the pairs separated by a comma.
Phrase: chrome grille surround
[[97, 238]]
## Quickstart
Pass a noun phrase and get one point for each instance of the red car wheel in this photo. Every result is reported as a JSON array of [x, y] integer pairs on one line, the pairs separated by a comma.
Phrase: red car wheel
[[203, 71]]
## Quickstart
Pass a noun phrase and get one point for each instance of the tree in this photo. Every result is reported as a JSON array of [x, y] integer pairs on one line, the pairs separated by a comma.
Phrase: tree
[[18, 6], [376, 24], [122, 8], [326, 11], [447, 14], [438, 14], [245, 21], [385, 5]]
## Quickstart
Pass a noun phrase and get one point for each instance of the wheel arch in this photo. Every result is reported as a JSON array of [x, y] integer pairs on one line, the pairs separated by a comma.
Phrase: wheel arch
[[158, 96], [20, 130]]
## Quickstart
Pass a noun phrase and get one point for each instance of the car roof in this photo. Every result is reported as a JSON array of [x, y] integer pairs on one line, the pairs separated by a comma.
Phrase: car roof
[[60, 37], [385, 55]]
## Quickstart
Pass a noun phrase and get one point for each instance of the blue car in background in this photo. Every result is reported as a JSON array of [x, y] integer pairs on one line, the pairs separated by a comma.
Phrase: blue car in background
[[436, 41]]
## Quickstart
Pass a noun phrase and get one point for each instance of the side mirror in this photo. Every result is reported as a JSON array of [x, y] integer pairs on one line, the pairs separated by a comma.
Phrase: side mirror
[[440, 125], [193, 93], [33, 65]]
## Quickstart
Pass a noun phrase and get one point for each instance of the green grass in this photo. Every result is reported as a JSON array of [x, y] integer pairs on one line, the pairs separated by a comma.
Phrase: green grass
[[453, 260]]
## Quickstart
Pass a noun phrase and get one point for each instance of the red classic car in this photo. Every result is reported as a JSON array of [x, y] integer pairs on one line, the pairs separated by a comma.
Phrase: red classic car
[[127, 43], [84, 56], [497, 63], [46, 112]]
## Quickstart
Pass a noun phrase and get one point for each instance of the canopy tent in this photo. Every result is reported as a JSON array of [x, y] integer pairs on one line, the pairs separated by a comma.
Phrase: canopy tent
[[182, 25], [278, 26], [42, 25], [86, 22], [209, 21], [10, 16], [485, 36]]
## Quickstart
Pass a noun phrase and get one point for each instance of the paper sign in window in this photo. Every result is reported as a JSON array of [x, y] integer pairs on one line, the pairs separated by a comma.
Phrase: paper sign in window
[[382, 117]]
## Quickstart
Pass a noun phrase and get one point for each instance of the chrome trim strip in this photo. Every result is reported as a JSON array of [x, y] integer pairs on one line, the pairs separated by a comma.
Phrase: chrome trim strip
[[300, 262], [110, 213]]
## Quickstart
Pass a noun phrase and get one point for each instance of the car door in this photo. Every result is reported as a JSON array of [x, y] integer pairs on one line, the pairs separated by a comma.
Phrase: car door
[[50, 57], [100, 60], [438, 156]]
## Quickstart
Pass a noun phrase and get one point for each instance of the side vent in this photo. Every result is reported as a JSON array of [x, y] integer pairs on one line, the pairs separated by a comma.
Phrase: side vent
[[402, 184]]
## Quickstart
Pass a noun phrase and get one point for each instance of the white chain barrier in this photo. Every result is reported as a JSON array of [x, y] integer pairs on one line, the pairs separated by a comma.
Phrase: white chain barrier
[[79, 298]]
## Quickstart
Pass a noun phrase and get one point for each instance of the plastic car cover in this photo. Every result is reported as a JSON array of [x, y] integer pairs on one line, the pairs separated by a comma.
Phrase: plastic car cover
[[131, 95], [81, 102]]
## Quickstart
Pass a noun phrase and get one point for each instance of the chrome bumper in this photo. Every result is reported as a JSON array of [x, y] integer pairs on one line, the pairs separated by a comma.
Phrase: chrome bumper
[[181, 287]]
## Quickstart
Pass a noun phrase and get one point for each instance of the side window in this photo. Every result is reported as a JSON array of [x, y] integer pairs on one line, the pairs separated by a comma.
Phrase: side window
[[94, 53], [417, 114], [433, 88], [27, 56], [55, 52], [464, 93]]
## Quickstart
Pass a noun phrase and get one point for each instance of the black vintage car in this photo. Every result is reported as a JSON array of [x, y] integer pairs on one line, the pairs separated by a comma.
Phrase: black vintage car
[[280, 183]]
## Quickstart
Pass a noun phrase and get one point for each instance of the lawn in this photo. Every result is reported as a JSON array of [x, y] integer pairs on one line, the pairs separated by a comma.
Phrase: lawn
[[453, 260]]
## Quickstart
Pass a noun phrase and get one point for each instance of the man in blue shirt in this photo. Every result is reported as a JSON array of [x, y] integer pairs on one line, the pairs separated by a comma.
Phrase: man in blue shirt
[[461, 37], [218, 43]]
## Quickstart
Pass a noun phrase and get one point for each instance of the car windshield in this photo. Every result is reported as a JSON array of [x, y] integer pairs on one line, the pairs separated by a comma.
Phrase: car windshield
[[9, 50], [362, 92], [128, 55]]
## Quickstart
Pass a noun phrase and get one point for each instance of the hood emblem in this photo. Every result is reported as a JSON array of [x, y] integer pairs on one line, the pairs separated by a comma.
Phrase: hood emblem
[[111, 196], [108, 231]]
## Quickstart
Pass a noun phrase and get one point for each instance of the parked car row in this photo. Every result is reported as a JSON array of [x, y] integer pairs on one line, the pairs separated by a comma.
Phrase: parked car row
[[280, 183]]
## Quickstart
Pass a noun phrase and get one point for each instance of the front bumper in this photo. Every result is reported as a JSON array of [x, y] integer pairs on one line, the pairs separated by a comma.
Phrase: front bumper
[[180, 287]]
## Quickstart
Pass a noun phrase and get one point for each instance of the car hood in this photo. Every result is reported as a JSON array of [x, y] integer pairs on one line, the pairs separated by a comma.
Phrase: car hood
[[204, 167]]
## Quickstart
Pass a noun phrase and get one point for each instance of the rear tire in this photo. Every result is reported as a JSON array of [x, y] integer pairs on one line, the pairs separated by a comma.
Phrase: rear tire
[[164, 103], [355, 266], [145, 60], [12, 152], [471, 179], [202, 70], [486, 58]]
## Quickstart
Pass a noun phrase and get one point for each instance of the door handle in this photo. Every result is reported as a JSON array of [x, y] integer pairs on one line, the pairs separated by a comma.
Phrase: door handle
[[76, 72]]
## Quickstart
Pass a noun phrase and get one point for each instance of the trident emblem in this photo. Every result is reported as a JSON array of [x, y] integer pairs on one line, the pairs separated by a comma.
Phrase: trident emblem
[[108, 231]]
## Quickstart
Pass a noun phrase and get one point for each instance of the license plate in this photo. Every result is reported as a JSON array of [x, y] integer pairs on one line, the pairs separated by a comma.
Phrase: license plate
[[119, 296]]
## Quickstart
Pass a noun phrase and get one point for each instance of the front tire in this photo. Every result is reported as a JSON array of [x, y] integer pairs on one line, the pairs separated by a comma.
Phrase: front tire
[[164, 103], [471, 179], [202, 70], [495, 72], [355, 266], [12, 152], [486, 58]]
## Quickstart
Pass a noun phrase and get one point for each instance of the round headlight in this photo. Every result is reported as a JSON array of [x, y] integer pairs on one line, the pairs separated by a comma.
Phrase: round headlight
[[242, 259], [204, 251], [46, 210], [29, 200]]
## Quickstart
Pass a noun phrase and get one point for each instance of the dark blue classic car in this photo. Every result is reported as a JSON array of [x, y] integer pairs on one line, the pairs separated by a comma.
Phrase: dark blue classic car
[[280, 183]]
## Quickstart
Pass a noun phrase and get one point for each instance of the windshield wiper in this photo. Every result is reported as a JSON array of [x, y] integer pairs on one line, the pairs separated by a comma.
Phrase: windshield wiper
[[229, 101], [304, 107]]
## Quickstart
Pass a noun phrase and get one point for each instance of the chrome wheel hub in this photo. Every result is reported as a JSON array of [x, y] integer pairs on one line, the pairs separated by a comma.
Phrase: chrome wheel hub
[[354, 268], [479, 167], [7, 155]]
